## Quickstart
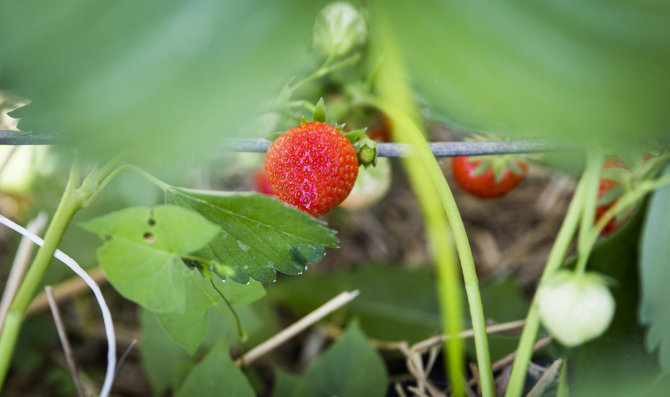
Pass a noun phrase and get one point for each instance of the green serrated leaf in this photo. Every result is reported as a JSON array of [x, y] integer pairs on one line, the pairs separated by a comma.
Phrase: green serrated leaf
[[351, 367], [654, 275], [142, 253], [320, 111], [216, 375], [258, 234]]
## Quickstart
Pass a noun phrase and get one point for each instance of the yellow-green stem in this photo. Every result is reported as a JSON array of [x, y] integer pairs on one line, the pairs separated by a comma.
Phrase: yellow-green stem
[[594, 163], [70, 203], [437, 201]]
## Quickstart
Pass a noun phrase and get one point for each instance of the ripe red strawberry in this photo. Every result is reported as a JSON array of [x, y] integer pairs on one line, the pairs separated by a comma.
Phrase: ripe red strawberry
[[605, 186], [490, 176], [312, 167]]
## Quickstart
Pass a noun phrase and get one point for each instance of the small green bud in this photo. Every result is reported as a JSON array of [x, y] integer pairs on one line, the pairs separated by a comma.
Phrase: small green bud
[[338, 29], [366, 149]]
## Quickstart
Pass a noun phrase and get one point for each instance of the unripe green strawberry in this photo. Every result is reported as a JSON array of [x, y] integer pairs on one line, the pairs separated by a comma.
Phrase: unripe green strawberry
[[312, 167], [575, 308]]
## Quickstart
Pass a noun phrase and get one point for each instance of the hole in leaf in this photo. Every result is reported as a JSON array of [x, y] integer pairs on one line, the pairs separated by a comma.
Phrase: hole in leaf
[[149, 237]]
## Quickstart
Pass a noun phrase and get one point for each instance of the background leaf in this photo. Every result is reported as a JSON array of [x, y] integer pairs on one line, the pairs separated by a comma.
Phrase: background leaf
[[142, 254], [258, 234], [165, 363], [160, 78], [285, 383], [350, 367], [216, 375], [655, 275], [397, 303]]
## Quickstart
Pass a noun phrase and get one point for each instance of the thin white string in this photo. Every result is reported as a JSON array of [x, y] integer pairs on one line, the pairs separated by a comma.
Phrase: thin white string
[[106, 315]]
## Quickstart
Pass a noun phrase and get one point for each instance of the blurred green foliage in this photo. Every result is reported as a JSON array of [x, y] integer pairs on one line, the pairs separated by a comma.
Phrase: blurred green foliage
[[159, 78], [593, 71]]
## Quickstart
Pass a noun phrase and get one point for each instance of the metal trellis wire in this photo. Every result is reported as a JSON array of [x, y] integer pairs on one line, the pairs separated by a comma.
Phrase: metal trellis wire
[[439, 149]]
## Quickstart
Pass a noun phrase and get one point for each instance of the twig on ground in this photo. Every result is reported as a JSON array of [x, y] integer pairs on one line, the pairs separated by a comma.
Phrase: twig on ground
[[69, 357], [125, 354], [508, 359], [475, 376], [297, 327], [399, 390], [66, 289], [20, 264], [549, 377]]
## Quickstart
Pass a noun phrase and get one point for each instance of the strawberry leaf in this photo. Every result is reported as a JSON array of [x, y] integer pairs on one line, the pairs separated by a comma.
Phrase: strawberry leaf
[[142, 253], [654, 275], [188, 328], [258, 234]]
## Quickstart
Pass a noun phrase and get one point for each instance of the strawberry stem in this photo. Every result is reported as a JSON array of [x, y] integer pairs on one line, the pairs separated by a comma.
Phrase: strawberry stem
[[440, 214], [591, 177], [554, 262]]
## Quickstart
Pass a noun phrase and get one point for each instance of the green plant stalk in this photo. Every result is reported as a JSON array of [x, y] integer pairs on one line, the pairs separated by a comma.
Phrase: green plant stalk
[[556, 258], [437, 201], [71, 201], [440, 243], [594, 163]]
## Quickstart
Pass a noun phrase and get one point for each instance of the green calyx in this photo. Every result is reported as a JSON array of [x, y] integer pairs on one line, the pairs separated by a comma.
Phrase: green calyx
[[319, 113], [499, 164], [366, 149]]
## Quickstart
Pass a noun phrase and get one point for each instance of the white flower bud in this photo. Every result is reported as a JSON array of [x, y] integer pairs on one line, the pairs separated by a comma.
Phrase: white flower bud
[[338, 29]]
